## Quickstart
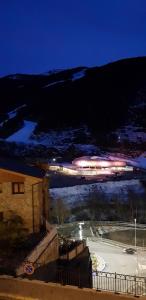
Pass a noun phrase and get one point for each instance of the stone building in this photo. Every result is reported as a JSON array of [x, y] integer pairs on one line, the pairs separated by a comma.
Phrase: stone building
[[24, 192]]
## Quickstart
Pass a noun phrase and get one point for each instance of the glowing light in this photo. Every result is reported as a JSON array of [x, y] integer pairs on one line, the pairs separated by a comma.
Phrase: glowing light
[[96, 162], [81, 230]]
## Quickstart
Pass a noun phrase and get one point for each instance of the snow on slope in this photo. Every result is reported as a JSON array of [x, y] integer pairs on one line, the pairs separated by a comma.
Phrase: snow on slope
[[63, 139], [12, 114], [78, 75], [53, 137], [131, 133], [75, 194], [23, 135], [53, 83], [60, 140]]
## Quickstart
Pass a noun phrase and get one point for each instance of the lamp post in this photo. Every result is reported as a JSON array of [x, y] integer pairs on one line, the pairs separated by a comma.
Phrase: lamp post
[[135, 232]]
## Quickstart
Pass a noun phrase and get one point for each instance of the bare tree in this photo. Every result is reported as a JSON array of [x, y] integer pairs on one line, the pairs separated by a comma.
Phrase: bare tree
[[97, 204], [60, 210]]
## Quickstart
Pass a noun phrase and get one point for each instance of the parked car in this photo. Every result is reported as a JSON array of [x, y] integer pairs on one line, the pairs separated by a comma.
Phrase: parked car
[[129, 250]]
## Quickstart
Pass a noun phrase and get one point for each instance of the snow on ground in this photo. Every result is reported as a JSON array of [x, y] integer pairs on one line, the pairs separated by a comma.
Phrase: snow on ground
[[53, 83], [141, 161], [23, 134], [60, 139], [131, 133], [12, 114], [87, 148], [78, 75], [76, 194], [137, 162]]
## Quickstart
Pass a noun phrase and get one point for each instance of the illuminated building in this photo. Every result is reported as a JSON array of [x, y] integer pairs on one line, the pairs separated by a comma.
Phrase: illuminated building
[[93, 165], [100, 165]]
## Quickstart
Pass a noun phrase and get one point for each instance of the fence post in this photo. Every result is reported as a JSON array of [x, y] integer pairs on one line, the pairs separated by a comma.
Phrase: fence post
[[135, 294], [145, 285], [115, 282], [98, 286], [97, 280]]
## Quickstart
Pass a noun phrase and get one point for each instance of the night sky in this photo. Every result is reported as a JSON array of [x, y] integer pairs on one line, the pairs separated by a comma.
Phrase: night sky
[[39, 35]]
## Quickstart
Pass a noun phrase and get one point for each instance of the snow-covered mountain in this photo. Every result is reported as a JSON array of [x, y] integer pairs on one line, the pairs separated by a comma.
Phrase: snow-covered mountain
[[81, 107]]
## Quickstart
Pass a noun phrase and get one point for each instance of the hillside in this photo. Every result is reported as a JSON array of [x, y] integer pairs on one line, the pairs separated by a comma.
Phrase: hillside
[[102, 98]]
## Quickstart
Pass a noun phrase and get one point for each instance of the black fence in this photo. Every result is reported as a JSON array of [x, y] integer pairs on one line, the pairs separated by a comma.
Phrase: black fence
[[104, 281], [74, 278], [119, 283]]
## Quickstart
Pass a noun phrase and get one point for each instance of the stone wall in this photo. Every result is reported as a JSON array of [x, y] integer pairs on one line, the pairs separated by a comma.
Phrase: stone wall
[[14, 288], [27, 205]]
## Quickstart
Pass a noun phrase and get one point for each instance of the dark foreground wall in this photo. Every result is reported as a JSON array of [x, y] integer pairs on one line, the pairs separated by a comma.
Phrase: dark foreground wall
[[14, 288]]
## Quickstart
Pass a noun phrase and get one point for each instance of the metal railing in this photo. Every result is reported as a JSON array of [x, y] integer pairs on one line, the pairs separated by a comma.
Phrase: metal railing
[[119, 283], [104, 281], [76, 278]]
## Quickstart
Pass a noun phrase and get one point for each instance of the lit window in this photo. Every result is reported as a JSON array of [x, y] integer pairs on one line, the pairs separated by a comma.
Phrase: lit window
[[18, 188]]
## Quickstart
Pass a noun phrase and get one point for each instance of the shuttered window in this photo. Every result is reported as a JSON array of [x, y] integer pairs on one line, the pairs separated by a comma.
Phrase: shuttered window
[[18, 187]]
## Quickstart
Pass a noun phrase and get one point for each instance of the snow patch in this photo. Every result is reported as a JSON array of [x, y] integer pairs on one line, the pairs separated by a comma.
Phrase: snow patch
[[23, 134], [53, 83], [60, 139], [131, 133], [13, 113], [78, 75]]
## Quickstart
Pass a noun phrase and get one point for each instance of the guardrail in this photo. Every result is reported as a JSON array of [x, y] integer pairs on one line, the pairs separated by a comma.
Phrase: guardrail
[[119, 283]]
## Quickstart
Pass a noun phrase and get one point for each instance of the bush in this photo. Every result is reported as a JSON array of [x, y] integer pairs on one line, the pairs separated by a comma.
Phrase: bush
[[12, 231]]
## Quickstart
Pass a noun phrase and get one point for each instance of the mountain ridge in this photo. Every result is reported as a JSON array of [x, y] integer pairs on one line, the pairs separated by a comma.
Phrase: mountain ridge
[[101, 97]]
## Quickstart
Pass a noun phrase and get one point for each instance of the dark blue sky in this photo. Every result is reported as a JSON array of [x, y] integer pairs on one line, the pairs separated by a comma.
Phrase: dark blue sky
[[39, 35]]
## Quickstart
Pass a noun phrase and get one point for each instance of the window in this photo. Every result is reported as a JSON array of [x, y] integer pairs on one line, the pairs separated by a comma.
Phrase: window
[[1, 216], [18, 187], [0, 187]]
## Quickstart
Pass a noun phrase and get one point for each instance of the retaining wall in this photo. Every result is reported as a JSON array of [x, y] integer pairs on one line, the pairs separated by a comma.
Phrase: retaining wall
[[14, 288]]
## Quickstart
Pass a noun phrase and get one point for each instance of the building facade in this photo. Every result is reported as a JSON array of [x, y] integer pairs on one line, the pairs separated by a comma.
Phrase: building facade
[[24, 192]]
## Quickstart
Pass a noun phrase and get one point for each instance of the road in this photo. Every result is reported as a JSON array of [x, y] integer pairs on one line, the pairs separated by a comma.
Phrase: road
[[112, 252], [116, 260]]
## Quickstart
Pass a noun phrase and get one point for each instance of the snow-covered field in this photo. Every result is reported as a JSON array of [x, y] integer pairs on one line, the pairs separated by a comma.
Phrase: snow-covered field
[[75, 194]]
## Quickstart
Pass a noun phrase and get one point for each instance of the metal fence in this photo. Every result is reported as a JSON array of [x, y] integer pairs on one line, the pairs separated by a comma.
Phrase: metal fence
[[104, 281], [76, 278], [119, 283]]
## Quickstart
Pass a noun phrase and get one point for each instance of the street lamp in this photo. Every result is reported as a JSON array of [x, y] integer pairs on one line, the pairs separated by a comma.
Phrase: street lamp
[[135, 232], [81, 230]]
